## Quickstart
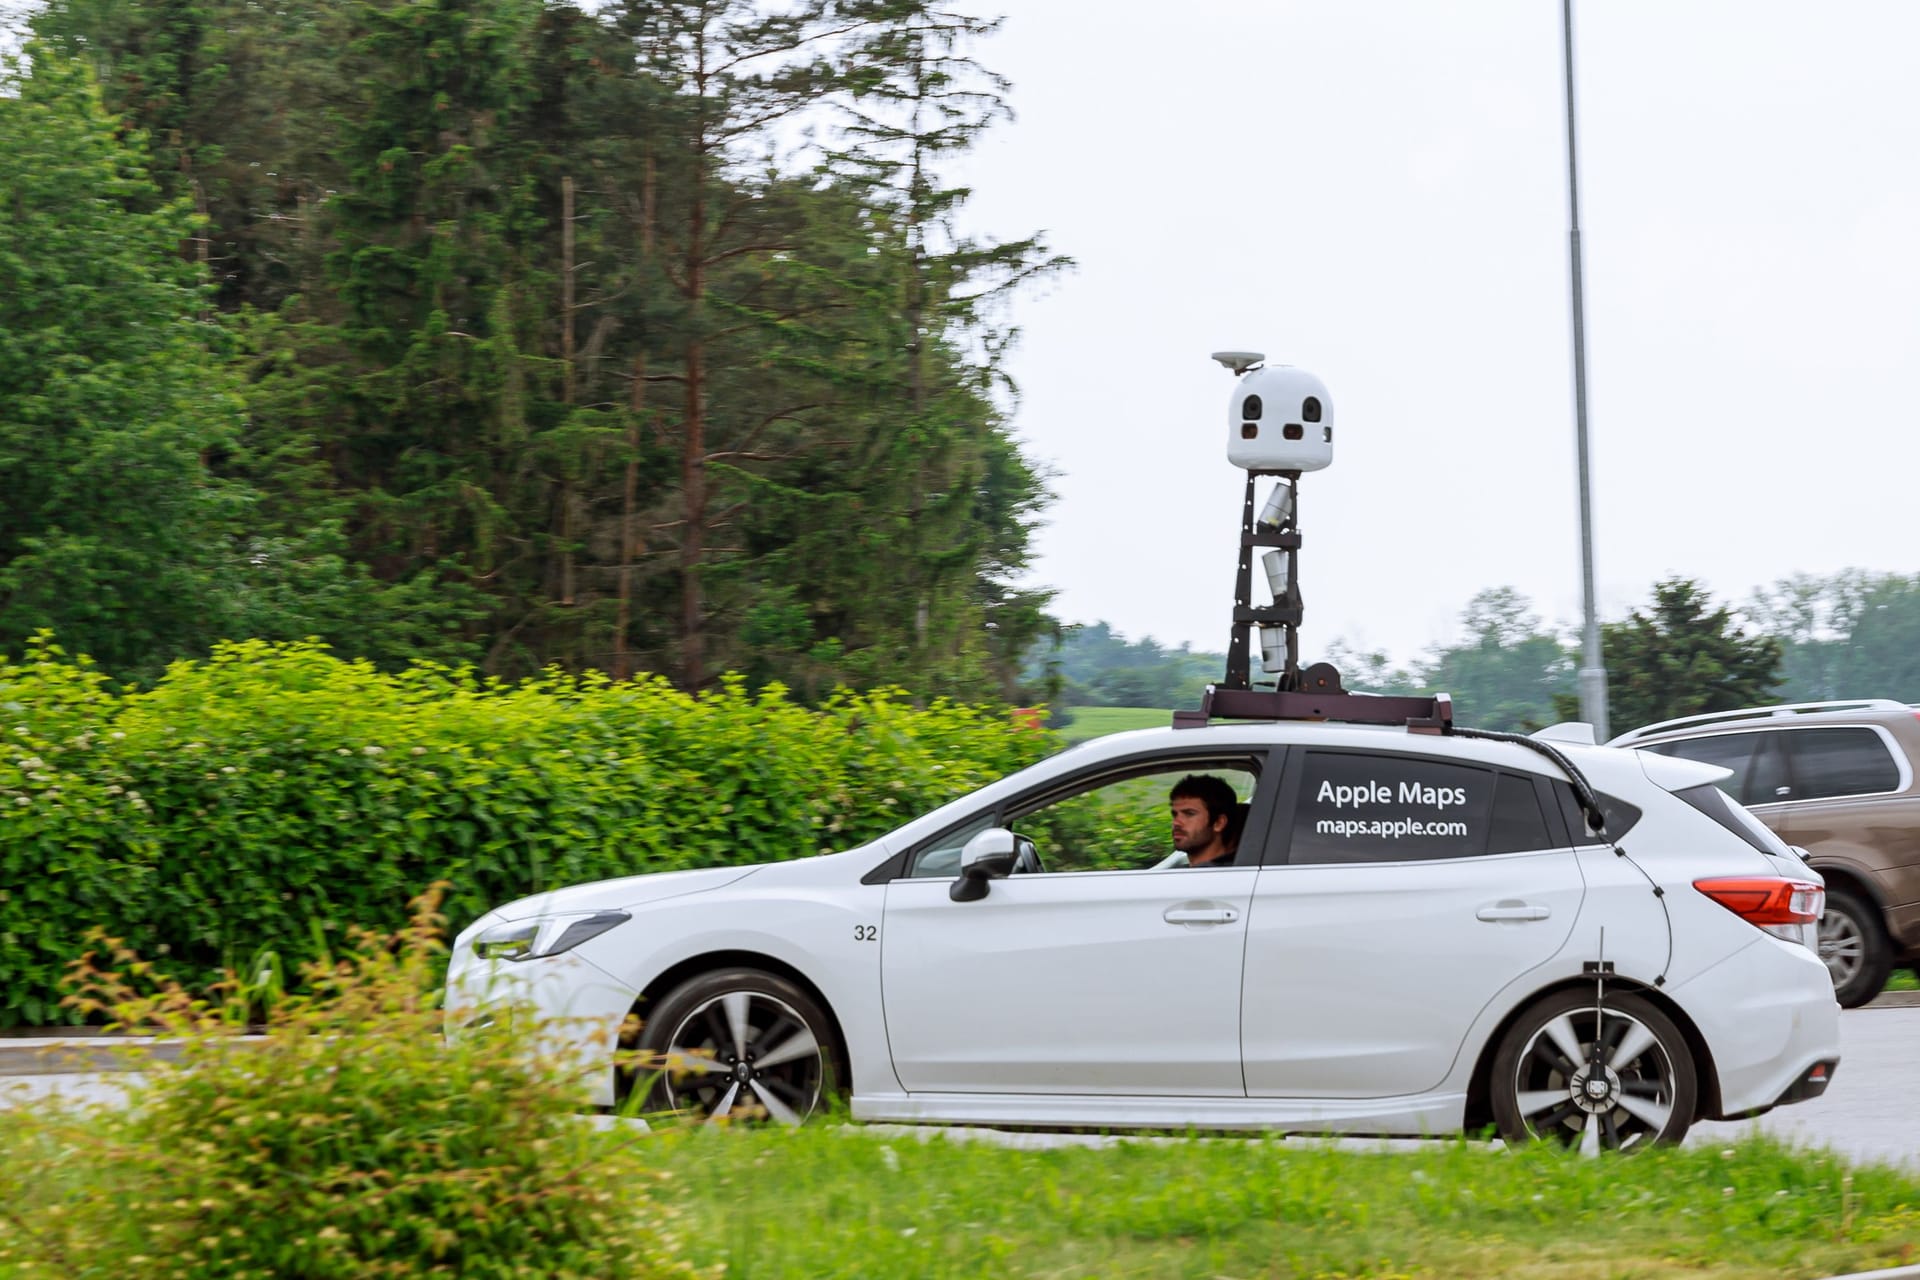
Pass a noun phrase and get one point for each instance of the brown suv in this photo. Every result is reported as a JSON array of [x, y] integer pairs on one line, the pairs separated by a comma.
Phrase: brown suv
[[1840, 780]]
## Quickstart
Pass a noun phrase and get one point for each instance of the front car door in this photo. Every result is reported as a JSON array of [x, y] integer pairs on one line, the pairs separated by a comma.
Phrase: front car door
[[1403, 893], [1102, 973]]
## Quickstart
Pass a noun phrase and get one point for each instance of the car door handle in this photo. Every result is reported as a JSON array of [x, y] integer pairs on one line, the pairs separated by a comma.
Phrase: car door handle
[[1514, 911], [1200, 915]]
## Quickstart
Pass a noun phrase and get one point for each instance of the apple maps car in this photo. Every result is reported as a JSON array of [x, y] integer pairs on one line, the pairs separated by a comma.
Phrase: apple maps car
[[1421, 933]]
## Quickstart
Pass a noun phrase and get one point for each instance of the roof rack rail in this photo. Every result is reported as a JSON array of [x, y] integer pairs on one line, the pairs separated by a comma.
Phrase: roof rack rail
[[1782, 710], [1320, 698]]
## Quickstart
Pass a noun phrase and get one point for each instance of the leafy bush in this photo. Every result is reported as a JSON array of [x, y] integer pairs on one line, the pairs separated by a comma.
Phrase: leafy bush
[[239, 801], [348, 1142]]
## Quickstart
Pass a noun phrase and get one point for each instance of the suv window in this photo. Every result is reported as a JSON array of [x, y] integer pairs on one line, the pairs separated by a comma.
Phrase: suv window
[[1355, 806], [1713, 802], [1758, 770], [1840, 762]]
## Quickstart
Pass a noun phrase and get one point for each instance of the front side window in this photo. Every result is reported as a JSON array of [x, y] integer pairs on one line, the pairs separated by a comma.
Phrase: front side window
[[1355, 806], [1851, 761], [1117, 821], [1125, 824]]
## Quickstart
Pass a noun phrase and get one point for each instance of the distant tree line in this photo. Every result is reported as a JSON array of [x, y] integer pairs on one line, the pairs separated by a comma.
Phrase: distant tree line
[[632, 336], [1848, 635], [1092, 665]]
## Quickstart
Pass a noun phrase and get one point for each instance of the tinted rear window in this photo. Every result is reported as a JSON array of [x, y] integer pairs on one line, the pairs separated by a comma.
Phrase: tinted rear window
[[1840, 762], [1713, 802], [1361, 807], [1729, 750]]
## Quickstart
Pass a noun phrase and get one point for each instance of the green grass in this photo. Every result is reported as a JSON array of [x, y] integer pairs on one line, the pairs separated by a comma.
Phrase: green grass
[[1094, 722], [829, 1201]]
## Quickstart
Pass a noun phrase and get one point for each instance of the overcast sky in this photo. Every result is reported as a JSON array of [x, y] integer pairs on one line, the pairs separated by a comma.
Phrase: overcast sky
[[1377, 192]]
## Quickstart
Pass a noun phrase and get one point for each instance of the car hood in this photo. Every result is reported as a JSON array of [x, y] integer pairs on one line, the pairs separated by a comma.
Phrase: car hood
[[628, 891]]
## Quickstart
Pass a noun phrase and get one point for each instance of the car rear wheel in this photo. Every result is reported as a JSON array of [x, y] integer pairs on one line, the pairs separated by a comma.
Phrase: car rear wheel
[[1854, 947], [1614, 1079], [738, 1044]]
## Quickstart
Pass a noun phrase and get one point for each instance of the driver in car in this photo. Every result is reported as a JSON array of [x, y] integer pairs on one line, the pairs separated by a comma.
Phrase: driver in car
[[1203, 809]]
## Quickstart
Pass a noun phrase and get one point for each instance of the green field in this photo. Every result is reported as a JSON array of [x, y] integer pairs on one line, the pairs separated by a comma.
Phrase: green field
[[827, 1201], [1094, 722]]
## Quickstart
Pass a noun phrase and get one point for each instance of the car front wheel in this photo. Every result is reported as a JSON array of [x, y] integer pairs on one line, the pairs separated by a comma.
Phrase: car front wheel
[[738, 1044], [1600, 1076], [1854, 947]]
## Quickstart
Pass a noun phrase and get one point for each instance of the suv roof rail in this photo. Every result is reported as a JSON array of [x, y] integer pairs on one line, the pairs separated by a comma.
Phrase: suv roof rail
[[1784, 709]]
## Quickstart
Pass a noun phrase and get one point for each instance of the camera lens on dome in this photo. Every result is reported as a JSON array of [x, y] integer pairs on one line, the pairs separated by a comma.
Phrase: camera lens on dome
[[1310, 408], [1250, 407]]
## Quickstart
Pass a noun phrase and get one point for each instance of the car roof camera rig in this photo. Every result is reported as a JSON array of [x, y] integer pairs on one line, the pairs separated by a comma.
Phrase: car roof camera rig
[[1280, 424]]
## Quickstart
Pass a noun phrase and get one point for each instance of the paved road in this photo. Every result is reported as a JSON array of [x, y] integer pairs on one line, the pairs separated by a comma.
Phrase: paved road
[[1867, 1114]]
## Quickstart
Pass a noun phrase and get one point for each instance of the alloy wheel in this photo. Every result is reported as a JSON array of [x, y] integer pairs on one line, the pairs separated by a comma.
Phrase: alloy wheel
[[1842, 946], [741, 1054], [1598, 1081]]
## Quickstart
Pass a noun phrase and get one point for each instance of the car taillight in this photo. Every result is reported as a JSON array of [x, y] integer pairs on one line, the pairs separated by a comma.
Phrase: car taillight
[[1773, 903]]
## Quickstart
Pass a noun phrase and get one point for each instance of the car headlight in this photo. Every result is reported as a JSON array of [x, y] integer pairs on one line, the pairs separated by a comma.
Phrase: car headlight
[[544, 936]]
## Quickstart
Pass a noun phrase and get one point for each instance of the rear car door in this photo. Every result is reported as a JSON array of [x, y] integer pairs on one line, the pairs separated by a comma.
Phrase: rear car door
[[1847, 786], [1404, 893]]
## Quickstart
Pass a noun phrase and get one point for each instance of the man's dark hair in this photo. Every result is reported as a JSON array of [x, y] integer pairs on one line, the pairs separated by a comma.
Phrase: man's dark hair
[[1215, 793]]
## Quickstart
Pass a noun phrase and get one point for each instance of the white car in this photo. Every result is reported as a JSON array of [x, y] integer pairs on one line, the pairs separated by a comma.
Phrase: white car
[[1420, 933]]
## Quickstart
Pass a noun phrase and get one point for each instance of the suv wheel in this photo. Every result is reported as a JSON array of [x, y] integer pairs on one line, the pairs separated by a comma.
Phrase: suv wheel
[[1854, 947]]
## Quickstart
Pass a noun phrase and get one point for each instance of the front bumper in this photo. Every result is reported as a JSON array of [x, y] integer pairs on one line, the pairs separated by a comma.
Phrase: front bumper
[[569, 1007]]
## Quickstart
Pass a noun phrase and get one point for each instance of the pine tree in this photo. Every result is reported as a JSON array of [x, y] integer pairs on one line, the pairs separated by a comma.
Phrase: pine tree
[[1681, 657], [114, 393]]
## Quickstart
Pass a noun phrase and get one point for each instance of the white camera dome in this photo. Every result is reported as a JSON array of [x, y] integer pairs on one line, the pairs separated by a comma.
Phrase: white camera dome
[[1280, 419]]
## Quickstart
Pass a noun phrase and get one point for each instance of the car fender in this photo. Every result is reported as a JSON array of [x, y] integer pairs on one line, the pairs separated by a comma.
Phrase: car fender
[[827, 933], [1853, 866]]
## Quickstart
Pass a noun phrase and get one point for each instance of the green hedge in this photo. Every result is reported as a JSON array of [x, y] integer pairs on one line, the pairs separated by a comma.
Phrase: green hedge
[[243, 799]]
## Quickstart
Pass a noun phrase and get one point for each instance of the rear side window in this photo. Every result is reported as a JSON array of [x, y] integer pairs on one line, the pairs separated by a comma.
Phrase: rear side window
[[1728, 750], [1363, 807], [1713, 802], [1751, 756], [1840, 762], [1518, 821], [1620, 815]]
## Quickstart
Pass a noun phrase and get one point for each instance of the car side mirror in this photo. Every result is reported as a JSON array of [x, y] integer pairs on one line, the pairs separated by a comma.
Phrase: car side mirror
[[987, 856]]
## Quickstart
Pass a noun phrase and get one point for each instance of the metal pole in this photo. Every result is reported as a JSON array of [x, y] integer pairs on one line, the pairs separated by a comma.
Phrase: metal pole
[[1593, 671]]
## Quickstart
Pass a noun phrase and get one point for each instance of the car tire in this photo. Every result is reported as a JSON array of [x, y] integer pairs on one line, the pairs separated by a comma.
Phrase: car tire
[[737, 1044], [1854, 945], [1541, 1071]]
